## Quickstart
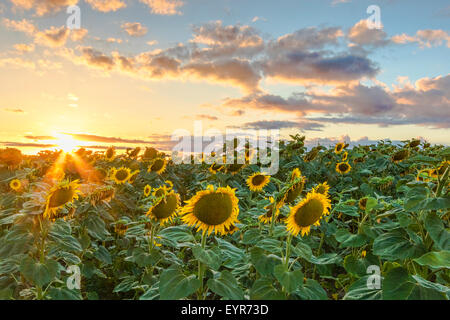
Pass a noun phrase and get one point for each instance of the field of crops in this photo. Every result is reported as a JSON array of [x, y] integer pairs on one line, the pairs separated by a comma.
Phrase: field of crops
[[340, 222]]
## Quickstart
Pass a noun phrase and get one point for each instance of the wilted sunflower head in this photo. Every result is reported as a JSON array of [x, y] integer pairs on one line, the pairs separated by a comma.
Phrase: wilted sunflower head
[[343, 167], [15, 184], [234, 168], [165, 207], [147, 190], [414, 143], [311, 155], [271, 211], [158, 165], [150, 153], [294, 191], [400, 155], [257, 181], [214, 168], [110, 153], [307, 213], [296, 173], [322, 188], [440, 170], [120, 227], [212, 210], [121, 175], [102, 194], [339, 147], [362, 203], [63, 193]]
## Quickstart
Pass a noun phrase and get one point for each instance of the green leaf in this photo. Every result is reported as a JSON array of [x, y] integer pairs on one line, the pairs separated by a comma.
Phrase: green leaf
[[290, 280], [263, 289], [96, 227], [178, 234], [312, 290], [355, 266], [226, 286], [39, 273], [103, 255], [437, 231], [396, 245], [126, 285], [302, 250], [326, 258], [64, 294], [359, 290], [175, 285], [435, 260], [347, 239], [271, 245], [347, 210], [263, 263], [251, 236], [209, 257]]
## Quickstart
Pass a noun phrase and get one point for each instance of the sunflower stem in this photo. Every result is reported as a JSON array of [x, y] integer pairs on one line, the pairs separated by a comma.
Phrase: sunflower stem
[[288, 251], [201, 269], [318, 253]]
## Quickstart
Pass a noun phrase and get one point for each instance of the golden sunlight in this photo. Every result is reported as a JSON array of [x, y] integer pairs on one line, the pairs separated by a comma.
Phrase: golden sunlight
[[65, 142]]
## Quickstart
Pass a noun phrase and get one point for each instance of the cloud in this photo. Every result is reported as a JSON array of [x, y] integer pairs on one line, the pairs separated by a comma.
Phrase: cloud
[[206, 117], [134, 29], [106, 5], [17, 62], [40, 138], [361, 35], [425, 38], [282, 124], [25, 144], [164, 7], [43, 7], [53, 37], [23, 47], [96, 138], [24, 25], [14, 110]]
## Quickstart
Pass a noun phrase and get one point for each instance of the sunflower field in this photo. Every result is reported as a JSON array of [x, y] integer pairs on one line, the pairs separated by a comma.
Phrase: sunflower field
[[340, 222]]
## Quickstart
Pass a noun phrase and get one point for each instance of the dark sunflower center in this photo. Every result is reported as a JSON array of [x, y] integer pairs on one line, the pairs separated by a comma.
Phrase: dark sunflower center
[[343, 167], [157, 165], [60, 197], [213, 209], [309, 213], [339, 147], [258, 180], [363, 202], [109, 153], [121, 175], [321, 189], [216, 167], [166, 207], [159, 193], [235, 167], [150, 153]]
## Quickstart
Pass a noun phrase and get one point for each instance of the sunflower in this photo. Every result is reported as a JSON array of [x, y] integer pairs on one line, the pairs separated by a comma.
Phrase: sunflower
[[272, 210], [362, 204], [15, 185], [343, 167], [102, 194], [158, 165], [307, 212], [339, 147], [165, 208], [296, 173], [414, 143], [440, 170], [400, 155], [147, 190], [214, 168], [149, 153], [345, 156], [311, 155], [160, 192], [61, 194], [257, 181], [120, 227], [322, 188], [234, 168], [212, 210], [110, 154], [293, 191], [231, 229], [121, 175]]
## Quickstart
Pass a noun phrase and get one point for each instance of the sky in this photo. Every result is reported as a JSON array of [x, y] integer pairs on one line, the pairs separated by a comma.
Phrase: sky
[[138, 70]]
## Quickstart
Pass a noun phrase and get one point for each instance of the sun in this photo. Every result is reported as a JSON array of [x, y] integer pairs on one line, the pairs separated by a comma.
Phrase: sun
[[65, 142]]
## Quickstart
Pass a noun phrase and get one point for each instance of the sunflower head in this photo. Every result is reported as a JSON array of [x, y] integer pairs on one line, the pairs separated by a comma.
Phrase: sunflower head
[[147, 190], [121, 175], [150, 154], [440, 170], [296, 173], [158, 165], [214, 168], [15, 185], [339, 147], [311, 155], [110, 153], [343, 167], [322, 188], [271, 211], [362, 203], [212, 210], [102, 194], [307, 213], [345, 156], [120, 227], [165, 207], [294, 190], [257, 181], [234, 168], [61, 194], [400, 155], [414, 143]]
